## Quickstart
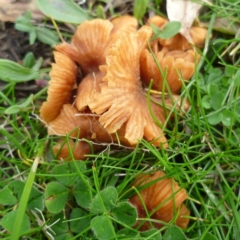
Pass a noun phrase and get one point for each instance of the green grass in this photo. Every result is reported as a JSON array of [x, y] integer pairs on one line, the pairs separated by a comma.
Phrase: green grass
[[203, 157]]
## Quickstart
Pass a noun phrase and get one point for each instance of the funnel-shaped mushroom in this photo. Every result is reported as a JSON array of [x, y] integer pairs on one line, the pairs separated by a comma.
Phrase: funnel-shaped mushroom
[[122, 100], [163, 199], [88, 48]]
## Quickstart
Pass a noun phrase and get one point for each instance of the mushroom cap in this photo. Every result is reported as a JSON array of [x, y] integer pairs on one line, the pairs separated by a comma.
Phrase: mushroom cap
[[163, 199], [122, 100], [63, 78], [92, 39], [177, 64], [122, 25], [88, 45]]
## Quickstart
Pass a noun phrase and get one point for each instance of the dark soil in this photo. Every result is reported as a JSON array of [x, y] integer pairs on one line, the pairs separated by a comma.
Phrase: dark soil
[[14, 45]]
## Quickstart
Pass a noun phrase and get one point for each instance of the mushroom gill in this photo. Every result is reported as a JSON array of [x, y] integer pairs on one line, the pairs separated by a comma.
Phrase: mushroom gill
[[63, 78], [82, 126], [162, 198], [122, 100]]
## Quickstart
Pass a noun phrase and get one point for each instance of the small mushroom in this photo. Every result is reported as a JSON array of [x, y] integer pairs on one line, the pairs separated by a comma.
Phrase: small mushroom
[[163, 200], [179, 42], [175, 58], [84, 55], [178, 65], [79, 149]]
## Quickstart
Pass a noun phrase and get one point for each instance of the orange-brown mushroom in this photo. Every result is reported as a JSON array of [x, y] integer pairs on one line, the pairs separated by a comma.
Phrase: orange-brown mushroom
[[122, 100], [162, 198], [79, 149], [175, 67], [88, 48], [176, 58], [85, 54], [179, 42]]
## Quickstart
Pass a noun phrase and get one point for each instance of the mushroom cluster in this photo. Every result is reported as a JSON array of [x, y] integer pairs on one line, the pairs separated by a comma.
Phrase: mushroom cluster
[[97, 93], [98, 81]]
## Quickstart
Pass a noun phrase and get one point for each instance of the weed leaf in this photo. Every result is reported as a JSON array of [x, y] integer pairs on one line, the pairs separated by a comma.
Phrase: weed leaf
[[62, 10], [153, 233], [8, 222], [125, 213], [174, 233], [47, 36], [105, 201], [216, 100], [169, 30], [66, 173], [214, 118], [139, 9], [206, 102], [13, 72], [12, 193], [17, 108], [7, 197], [83, 194], [80, 221], [55, 197], [228, 117], [102, 227], [29, 60]]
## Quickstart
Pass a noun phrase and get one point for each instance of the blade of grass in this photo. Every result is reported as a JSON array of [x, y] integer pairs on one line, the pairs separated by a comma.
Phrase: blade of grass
[[25, 196]]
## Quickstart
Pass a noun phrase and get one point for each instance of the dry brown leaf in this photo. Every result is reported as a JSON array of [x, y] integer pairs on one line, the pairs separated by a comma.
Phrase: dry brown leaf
[[10, 10], [184, 11]]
